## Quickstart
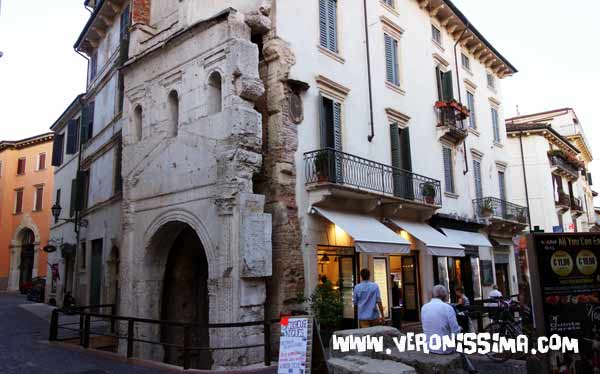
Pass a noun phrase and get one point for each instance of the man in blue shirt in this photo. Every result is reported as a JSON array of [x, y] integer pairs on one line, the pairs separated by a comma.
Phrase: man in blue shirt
[[367, 299]]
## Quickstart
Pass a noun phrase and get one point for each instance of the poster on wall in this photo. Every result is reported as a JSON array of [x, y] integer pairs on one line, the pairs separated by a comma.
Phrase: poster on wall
[[294, 355]]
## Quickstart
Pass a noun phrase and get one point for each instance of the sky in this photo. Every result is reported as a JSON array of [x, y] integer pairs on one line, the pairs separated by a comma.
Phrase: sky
[[553, 44]]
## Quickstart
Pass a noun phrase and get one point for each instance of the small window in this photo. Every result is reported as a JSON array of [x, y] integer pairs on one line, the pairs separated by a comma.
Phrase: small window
[[495, 125], [19, 201], [137, 122], [448, 170], [173, 113], [390, 3], [436, 35], [466, 63], [0, 169], [477, 179], [471, 106], [491, 82], [21, 166], [328, 24], [41, 162], [391, 60], [215, 94], [39, 198]]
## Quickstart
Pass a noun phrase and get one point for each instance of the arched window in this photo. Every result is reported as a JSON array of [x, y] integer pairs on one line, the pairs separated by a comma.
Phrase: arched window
[[173, 113], [214, 93], [137, 122]]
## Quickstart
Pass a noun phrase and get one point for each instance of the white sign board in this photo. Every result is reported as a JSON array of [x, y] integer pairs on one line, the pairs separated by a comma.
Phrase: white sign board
[[293, 345]]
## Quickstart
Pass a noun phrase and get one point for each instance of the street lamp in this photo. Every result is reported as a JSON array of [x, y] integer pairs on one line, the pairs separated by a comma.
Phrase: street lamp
[[56, 209]]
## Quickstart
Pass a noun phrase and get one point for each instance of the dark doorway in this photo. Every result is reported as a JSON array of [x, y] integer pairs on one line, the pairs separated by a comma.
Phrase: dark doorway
[[405, 272], [96, 275], [185, 299], [502, 279], [27, 257]]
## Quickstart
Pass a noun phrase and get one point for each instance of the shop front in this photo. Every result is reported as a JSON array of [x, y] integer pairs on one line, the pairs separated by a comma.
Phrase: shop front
[[505, 268]]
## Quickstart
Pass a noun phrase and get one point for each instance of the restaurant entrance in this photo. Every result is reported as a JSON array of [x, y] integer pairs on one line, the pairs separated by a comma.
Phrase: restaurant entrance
[[338, 266], [405, 285], [454, 272]]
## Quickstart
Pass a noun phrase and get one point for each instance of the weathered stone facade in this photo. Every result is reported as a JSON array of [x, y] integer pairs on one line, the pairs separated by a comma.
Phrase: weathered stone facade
[[195, 170]]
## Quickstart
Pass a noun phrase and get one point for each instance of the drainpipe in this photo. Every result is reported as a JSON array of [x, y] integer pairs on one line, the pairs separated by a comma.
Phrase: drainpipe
[[525, 179], [372, 135], [459, 93], [77, 227]]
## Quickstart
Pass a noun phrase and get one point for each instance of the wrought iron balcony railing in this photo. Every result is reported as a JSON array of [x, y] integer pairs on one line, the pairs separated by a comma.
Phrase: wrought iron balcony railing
[[336, 167], [561, 163], [492, 207], [576, 204]]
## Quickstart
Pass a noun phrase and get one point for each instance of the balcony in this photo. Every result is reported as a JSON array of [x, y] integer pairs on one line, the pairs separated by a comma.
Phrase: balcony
[[563, 203], [576, 207], [451, 117], [498, 210], [563, 166], [329, 167]]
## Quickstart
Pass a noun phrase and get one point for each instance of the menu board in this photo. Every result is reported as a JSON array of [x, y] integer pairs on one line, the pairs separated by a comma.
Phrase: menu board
[[294, 355], [570, 283]]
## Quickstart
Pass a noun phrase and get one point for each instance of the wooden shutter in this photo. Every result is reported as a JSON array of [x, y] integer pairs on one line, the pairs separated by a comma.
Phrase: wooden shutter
[[323, 23], [21, 163], [323, 121], [495, 125], [19, 201], [72, 137], [406, 153], [396, 159], [87, 123], [477, 177], [448, 170], [73, 203], [39, 198], [332, 25], [589, 178], [389, 58], [447, 90], [57, 149], [337, 140], [438, 80], [42, 161], [81, 190]]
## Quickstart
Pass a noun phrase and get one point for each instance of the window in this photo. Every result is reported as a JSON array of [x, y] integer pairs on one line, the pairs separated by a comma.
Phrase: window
[[390, 3], [87, 123], [173, 113], [490, 81], [137, 122], [58, 196], [391, 60], [73, 202], [401, 160], [328, 24], [436, 35], [19, 201], [444, 85], [502, 185], [118, 178], [124, 24], [93, 65], [39, 198], [448, 170], [215, 94], [477, 179], [466, 63], [495, 125], [41, 162], [21, 166], [471, 106], [57, 149], [72, 137], [0, 168]]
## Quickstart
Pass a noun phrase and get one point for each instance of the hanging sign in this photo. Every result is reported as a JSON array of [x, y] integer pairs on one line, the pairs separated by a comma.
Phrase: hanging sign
[[294, 352]]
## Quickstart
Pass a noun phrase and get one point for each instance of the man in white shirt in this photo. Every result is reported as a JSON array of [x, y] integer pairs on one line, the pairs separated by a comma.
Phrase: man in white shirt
[[495, 293]]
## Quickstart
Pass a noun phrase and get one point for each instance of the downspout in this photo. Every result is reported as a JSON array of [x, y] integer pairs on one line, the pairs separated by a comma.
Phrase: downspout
[[525, 179], [77, 227], [372, 135], [459, 93]]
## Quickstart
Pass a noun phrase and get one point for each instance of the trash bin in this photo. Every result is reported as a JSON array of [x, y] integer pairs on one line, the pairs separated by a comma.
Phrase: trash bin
[[397, 317]]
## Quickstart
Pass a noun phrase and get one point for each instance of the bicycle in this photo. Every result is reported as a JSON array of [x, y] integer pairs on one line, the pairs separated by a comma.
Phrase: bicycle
[[508, 326]]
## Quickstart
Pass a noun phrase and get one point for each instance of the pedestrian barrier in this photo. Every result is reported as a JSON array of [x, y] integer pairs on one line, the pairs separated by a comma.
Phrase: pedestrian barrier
[[90, 314]]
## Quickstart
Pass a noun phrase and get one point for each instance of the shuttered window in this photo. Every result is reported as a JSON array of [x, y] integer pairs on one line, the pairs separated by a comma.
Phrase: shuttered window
[[436, 34], [19, 201], [21, 166], [328, 24], [72, 136], [41, 165], [0, 169], [87, 123], [57, 149], [73, 201], [495, 125], [448, 170], [391, 60], [471, 106], [490, 81], [401, 161], [39, 198], [444, 83], [477, 177], [466, 63], [502, 185]]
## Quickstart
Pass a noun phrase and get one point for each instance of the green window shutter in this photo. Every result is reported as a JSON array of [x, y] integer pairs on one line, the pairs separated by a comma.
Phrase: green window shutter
[[447, 90], [502, 185], [406, 153], [323, 23], [477, 177], [57, 149], [72, 128], [389, 59], [87, 122], [323, 121], [337, 126], [73, 205], [495, 125], [396, 159], [332, 25], [448, 170]]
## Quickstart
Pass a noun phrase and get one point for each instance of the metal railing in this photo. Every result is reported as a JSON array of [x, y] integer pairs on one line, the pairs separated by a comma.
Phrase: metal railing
[[448, 116], [492, 207], [576, 204], [89, 315], [336, 167], [563, 164]]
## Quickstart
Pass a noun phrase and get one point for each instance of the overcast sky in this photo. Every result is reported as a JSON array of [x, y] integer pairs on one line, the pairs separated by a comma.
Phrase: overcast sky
[[553, 44]]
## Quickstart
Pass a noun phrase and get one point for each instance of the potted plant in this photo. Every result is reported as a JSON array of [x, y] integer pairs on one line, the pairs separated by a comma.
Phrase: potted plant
[[326, 304], [322, 166], [428, 192], [486, 208], [521, 216]]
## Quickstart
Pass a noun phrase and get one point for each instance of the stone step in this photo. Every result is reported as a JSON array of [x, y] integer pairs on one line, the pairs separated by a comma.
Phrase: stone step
[[366, 365]]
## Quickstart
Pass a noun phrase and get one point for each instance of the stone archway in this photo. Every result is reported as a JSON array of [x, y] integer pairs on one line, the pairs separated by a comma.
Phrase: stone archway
[[24, 254]]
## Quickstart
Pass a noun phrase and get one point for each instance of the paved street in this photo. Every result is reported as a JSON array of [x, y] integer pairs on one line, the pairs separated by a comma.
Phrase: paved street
[[24, 350]]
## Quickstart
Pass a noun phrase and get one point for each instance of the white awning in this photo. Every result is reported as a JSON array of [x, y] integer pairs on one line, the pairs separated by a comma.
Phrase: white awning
[[474, 239], [370, 235], [437, 244]]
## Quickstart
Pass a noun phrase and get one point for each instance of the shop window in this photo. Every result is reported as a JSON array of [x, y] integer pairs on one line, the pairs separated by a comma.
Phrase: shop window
[[336, 264]]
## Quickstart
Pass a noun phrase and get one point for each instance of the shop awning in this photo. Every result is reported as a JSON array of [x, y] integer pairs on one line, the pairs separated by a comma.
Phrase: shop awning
[[370, 235], [474, 239], [437, 244]]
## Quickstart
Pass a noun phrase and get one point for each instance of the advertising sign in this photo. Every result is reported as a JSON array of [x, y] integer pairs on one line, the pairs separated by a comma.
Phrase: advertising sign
[[570, 283], [294, 357]]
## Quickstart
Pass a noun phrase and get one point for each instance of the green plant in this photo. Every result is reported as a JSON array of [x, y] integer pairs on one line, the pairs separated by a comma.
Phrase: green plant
[[428, 190], [322, 163], [486, 206], [327, 306]]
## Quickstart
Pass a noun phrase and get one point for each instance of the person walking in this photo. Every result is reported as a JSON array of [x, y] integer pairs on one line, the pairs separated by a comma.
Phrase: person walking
[[367, 301]]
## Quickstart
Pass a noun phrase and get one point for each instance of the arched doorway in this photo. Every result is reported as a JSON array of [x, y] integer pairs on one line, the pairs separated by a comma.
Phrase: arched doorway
[[185, 296], [27, 257]]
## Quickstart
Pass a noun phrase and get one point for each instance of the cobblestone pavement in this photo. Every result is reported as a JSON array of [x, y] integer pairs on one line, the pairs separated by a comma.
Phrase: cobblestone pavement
[[24, 348]]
